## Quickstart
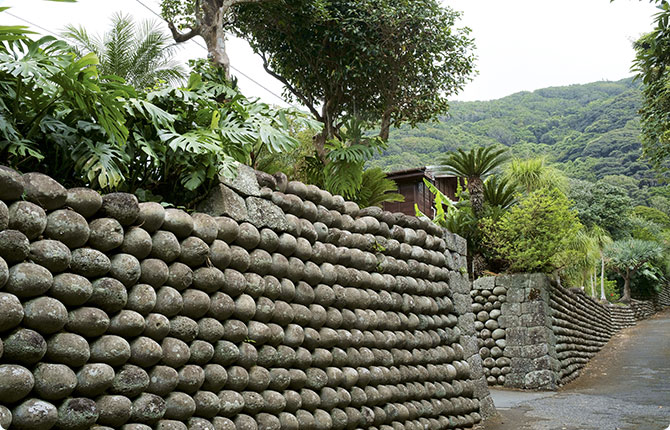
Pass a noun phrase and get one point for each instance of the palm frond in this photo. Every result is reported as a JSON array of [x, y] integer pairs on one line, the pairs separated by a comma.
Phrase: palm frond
[[499, 192], [478, 162], [376, 189]]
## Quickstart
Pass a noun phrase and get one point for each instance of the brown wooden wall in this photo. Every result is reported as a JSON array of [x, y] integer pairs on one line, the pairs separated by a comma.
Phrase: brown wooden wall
[[415, 191]]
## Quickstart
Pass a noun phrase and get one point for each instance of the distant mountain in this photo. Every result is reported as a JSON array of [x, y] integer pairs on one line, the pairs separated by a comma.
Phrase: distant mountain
[[590, 130]]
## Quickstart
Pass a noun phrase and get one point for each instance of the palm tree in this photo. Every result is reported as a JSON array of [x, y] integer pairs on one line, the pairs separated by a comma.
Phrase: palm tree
[[474, 166], [627, 256], [141, 54]]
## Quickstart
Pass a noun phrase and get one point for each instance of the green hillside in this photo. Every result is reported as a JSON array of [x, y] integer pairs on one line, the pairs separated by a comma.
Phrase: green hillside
[[590, 130]]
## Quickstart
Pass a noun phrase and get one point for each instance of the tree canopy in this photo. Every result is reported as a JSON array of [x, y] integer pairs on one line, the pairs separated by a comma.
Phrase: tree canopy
[[386, 62]]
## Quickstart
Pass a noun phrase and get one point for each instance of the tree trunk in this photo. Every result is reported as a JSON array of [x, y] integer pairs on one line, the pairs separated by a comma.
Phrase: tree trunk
[[215, 39], [320, 145], [593, 284], [476, 190], [626, 289], [602, 278]]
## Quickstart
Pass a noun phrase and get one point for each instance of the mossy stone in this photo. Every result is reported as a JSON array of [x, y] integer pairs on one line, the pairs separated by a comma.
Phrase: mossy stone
[[68, 227]]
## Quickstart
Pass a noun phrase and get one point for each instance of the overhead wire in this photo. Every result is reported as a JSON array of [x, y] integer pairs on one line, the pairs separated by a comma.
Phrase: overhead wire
[[231, 66], [191, 40]]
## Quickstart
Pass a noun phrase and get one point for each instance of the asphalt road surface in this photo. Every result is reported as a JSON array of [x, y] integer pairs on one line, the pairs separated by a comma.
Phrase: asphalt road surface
[[625, 387]]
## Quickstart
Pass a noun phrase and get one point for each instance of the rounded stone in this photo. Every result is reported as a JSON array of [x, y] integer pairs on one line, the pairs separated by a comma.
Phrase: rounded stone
[[11, 311], [201, 352], [28, 218], [183, 328], [245, 422], [141, 299], [130, 381], [126, 268], [54, 381], [127, 324], [77, 414], [5, 417], [219, 254], [162, 380], [89, 262], [196, 303], [178, 222], [165, 246], [180, 276], [176, 353], [14, 246], [228, 229], [45, 315], [168, 302], [194, 251], [114, 410], [85, 201], [205, 227], [41, 189], [28, 280], [34, 414], [191, 378], [179, 406], [156, 326], [68, 227], [154, 272], [106, 234], [209, 279], [11, 184], [170, 425], [215, 377], [151, 216], [94, 379], [110, 349], [109, 295], [51, 254], [15, 383], [148, 408], [137, 242], [71, 289], [210, 330], [123, 207], [68, 348], [248, 237], [88, 321], [207, 404]]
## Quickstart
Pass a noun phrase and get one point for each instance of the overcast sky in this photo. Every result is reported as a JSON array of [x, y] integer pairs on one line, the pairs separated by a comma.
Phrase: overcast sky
[[522, 45]]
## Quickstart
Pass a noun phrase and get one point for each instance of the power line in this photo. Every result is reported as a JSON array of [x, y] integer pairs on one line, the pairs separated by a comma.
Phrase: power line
[[31, 23], [231, 66]]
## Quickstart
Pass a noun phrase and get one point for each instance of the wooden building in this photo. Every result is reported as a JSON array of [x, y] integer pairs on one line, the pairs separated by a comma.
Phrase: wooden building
[[410, 184]]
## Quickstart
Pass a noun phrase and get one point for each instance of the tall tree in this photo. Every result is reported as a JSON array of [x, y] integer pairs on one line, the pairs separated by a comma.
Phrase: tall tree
[[474, 166], [626, 257], [210, 19], [652, 65], [385, 62], [141, 54]]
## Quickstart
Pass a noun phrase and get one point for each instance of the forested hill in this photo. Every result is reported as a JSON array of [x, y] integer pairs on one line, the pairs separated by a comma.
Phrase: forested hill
[[590, 130]]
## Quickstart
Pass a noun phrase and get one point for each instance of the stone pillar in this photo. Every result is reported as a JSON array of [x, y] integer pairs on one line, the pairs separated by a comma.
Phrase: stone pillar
[[460, 287], [531, 345]]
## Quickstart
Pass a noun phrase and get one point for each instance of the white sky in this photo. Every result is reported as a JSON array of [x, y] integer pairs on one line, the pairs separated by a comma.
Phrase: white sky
[[521, 44]]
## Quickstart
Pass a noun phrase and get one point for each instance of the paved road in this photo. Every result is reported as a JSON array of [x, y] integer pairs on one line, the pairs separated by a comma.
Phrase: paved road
[[625, 387]]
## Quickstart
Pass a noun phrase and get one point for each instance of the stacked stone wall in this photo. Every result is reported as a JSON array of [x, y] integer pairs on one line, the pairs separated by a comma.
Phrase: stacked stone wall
[[663, 299], [284, 307], [550, 332], [487, 302], [581, 328]]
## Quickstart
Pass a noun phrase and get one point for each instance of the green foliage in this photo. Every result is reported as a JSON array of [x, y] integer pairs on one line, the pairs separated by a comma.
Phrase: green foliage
[[534, 173], [529, 236], [140, 54], [601, 204], [587, 131], [384, 61], [376, 189], [499, 192], [652, 65], [652, 215], [58, 116]]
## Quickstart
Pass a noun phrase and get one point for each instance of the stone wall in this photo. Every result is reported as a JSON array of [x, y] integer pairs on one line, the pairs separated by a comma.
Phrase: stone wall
[[550, 333], [581, 327], [283, 308], [487, 302]]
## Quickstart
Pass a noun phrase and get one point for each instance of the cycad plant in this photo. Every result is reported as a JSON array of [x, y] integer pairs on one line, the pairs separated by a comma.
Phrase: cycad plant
[[499, 192], [139, 53], [627, 256], [474, 166]]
